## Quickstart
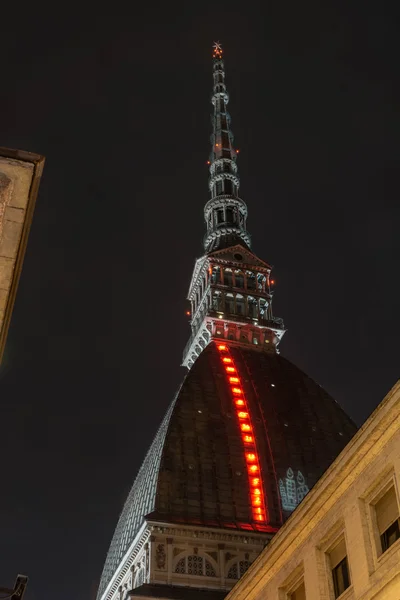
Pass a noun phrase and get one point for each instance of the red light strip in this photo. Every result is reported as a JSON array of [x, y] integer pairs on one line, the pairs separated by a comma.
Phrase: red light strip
[[258, 506]]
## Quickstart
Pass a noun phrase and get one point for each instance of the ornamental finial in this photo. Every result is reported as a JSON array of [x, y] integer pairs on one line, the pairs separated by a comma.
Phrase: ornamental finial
[[217, 50]]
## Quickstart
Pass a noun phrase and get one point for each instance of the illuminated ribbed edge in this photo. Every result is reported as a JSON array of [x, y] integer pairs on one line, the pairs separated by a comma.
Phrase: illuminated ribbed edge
[[258, 506]]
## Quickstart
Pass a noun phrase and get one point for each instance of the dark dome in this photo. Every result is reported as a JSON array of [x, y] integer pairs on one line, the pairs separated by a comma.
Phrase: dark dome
[[195, 471]]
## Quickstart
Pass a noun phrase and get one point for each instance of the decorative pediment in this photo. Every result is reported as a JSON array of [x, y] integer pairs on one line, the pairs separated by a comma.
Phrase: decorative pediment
[[239, 255]]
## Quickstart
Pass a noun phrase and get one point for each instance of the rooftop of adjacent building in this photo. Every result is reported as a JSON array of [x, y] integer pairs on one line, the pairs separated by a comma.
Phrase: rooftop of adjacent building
[[341, 506]]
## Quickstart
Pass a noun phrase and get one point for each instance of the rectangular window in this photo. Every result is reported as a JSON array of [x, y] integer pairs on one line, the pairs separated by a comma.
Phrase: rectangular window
[[340, 568], [299, 593], [387, 519]]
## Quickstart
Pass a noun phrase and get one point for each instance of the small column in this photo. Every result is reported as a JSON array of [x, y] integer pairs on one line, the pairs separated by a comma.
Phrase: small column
[[169, 560], [221, 548]]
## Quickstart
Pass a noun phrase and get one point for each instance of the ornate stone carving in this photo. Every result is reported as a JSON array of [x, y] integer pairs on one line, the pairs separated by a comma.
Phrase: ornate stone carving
[[161, 557]]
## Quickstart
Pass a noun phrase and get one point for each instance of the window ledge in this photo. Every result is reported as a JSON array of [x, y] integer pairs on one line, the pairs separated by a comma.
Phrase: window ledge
[[385, 556], [347, 594]]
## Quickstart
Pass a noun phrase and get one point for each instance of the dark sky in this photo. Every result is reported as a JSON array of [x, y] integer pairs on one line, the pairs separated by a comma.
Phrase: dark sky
[[118, 102]]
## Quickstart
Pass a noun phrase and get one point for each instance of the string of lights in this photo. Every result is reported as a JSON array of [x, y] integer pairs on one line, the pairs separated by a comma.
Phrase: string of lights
[[258, 505]]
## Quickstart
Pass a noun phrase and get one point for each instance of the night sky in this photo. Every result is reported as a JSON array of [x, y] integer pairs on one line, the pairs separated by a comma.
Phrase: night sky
[[119, 103]]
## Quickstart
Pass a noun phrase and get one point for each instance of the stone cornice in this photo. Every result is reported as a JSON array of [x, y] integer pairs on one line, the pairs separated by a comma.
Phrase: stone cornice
[[205, 534]]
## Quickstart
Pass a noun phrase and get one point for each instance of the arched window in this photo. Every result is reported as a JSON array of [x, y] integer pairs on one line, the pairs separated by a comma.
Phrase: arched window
[[240, 305], [233, 572], [238, 569], [229, 303], [216, 275], [228, 279], [243, 566], [239, 279], [181, 566], [195, 564], [228, 186], [230, 215], [251, 281], [217, 301], [252, 302]]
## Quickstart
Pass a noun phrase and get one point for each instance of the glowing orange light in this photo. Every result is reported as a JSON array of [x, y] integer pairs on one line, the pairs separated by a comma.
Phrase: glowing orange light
[[188, 312], [208, 162], [236, 390], [237, 151], [259, 512], [272, 281]]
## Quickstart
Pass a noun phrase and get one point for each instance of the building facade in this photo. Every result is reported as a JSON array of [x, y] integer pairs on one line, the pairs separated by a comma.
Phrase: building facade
[[247, 435], [343, 541], [20, 174]]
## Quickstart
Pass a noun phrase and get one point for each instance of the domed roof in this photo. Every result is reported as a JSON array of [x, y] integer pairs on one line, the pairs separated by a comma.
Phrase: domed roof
[[195, 471]]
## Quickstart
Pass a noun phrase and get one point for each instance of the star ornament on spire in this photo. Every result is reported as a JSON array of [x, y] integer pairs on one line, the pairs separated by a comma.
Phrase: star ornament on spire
[[217, 50]]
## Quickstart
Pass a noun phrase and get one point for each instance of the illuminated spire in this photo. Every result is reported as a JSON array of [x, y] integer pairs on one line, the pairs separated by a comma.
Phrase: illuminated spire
[[230, 292], [225, 213]]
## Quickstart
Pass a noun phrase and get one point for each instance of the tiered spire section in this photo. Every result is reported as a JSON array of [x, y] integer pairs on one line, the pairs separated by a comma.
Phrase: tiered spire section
[[230, 291], [225, 213]]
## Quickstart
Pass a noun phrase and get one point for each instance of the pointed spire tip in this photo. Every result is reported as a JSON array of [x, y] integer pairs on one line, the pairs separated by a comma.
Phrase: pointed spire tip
[[217, 50]]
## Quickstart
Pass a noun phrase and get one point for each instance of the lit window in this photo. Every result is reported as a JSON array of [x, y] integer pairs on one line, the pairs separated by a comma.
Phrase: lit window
[[239, 402], [237, 390], [234, 379], [230, 369], [340, 568], [226, 359], [253, 469], [251, 457], [221, 347], [387, 518], [243, 415]]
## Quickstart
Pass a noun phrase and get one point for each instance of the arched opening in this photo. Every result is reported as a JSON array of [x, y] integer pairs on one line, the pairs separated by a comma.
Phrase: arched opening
[[229, 304], [240, 305], [239, 279], [228, 278], [251, 280]]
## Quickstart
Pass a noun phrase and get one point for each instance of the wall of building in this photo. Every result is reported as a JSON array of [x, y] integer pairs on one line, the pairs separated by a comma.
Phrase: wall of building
[[20, 174], [340, 517]]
